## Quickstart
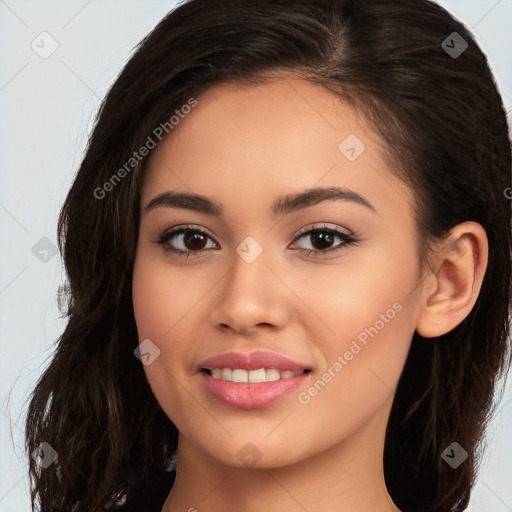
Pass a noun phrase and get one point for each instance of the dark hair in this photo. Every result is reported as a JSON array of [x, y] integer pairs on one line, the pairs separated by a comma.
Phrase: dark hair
[[445, 132]]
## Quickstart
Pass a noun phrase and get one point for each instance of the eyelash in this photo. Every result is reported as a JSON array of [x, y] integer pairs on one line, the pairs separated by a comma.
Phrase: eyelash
[[347, 240]]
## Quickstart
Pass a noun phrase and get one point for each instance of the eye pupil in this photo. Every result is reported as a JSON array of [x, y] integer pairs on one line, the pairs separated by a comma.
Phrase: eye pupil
[[325, 238], [194, 237]]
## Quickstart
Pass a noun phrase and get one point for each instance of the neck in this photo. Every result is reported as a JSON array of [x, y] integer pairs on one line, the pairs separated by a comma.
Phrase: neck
[[348, 476]]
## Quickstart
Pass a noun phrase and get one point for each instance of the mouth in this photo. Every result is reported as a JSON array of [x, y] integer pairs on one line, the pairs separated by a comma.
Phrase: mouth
[[243, 365], [252, 380], [253, 376]]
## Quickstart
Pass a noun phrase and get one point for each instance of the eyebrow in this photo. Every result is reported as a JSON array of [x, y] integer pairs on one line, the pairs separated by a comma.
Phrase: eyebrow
[[282, 206]]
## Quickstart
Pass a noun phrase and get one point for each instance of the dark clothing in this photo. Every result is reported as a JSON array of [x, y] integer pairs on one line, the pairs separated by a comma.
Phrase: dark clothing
[[150, 498]]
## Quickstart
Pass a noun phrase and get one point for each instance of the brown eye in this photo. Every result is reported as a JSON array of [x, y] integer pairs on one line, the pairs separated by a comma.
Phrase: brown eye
[[321, 240], [194, 240], [188, 239]]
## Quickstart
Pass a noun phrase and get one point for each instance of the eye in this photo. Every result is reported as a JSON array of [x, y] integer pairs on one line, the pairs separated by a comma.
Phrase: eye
[[194, 240], [191, 237], [323, 237]]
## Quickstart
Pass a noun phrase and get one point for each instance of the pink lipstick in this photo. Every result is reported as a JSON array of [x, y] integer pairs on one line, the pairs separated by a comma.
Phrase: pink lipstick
[[252, 380]]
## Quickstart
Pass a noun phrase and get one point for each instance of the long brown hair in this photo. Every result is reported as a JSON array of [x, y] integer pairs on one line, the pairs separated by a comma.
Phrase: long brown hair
[[446, 131]]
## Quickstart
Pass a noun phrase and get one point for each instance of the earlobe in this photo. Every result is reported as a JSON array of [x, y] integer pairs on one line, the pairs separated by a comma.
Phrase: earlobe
[[452, 288]]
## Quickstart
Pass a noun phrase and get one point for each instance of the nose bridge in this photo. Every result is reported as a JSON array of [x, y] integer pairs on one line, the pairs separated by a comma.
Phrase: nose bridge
[[248, 275], [249, 295]]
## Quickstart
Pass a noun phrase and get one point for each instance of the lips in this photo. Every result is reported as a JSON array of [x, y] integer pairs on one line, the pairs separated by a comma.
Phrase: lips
[[252, 361], [228, 378]]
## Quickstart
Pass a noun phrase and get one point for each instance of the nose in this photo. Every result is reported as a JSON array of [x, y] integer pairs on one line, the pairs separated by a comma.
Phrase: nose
[[251, 296]]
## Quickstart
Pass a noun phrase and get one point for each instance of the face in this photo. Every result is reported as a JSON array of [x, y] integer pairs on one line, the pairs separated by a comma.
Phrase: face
[[320, 293]]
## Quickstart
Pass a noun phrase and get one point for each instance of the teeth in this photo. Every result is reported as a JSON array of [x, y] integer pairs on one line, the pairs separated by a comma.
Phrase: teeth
[[255, 376], [272, 374], [240, 376]]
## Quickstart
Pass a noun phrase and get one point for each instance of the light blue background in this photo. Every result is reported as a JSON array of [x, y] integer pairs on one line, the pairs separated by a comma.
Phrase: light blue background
[[47, 107]]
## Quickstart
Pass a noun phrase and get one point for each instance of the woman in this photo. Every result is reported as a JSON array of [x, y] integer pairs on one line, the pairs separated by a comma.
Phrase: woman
[[288, 250]]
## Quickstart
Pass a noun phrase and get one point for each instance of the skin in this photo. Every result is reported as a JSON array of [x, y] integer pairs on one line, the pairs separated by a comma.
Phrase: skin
[[243, 146]]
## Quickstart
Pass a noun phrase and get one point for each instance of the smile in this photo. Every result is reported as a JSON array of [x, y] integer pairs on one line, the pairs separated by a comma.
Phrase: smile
[[251, 380], [254, 376], [251, 395]]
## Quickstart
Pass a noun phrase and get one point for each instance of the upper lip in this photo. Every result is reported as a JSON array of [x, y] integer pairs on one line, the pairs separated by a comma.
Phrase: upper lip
[[251, 361]]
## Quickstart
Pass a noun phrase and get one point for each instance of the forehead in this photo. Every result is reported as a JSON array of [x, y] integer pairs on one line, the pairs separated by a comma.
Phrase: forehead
[[265, 119], [242, 142]]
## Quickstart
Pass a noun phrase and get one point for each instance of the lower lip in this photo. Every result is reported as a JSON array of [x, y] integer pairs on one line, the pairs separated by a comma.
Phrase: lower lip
[[247, 395]]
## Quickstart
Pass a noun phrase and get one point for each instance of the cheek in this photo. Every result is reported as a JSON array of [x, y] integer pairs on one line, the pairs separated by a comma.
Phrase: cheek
[[369, 310], [159, 298], [155, 307], [372, 294], [361, 372], [149, 302]]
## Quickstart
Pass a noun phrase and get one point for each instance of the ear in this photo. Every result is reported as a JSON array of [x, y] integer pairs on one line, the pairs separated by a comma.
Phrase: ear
[[451, 287]]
